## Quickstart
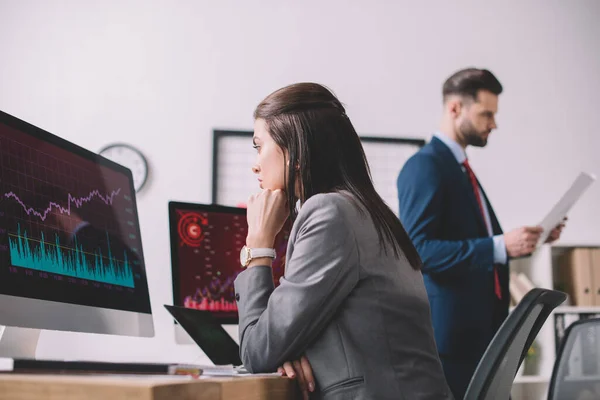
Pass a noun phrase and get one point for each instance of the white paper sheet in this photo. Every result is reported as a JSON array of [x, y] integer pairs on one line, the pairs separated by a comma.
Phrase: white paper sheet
[[560, 210], [228, 370], [6, 364]]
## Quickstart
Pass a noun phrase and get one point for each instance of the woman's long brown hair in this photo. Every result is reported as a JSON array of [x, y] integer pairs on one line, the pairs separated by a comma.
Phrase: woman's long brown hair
[[310, 125]]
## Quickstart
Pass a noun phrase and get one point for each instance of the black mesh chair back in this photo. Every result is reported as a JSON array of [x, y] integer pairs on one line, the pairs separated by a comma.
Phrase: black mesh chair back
[[576, 373], [494, 376]]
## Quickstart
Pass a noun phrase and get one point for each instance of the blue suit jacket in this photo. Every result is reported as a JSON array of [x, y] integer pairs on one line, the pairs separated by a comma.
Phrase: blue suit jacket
[[439, 211]]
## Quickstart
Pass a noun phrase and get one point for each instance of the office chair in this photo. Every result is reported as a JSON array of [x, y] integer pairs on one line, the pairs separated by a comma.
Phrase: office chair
[[494, 376], [576, 373]]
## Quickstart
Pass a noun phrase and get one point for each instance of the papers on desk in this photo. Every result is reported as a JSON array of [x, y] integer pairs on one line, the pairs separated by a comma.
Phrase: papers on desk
[[6, 364], [230, 370], [560, 210]]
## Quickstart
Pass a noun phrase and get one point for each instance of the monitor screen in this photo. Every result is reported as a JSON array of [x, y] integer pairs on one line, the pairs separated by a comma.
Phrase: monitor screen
[[206, 241], [69, 228]]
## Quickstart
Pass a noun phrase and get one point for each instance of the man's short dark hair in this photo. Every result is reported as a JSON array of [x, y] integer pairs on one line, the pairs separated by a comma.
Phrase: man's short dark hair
[[469, 81]]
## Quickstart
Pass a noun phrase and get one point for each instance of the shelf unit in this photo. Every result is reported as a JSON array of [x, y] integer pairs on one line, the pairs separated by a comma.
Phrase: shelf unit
[[578, 309], [525, 379], [539, 269]]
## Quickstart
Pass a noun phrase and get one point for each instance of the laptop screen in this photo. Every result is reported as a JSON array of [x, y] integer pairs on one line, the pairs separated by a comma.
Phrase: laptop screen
[[206, 241], [208, 334]]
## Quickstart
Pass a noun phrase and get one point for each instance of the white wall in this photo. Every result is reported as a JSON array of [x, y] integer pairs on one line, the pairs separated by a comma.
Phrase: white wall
[[161, 75]]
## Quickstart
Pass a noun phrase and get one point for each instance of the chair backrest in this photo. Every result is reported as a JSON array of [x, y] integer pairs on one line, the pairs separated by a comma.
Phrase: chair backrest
[[496, 371], [576, 373]]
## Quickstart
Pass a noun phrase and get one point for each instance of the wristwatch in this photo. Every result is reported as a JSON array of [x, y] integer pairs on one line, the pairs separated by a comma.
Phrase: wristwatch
[[247, 254]]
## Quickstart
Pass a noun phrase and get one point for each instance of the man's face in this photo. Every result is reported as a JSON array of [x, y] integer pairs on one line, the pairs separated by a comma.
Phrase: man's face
[[477, 119]]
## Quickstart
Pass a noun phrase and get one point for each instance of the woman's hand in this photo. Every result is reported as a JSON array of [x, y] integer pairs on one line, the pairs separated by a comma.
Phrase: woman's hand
[[301, 369], [266, 213]]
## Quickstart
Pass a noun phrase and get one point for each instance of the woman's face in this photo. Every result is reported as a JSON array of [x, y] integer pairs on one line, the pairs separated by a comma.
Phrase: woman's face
[[270, 166]]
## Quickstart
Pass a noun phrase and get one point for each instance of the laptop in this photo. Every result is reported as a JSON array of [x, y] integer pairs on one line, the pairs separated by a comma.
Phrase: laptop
[[208, 334]]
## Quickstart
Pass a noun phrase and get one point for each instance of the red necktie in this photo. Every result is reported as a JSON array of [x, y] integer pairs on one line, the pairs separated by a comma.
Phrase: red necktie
[[478, 197]]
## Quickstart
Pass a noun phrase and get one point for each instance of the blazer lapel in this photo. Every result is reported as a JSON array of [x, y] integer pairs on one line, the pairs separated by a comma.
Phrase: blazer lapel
[[462, 179]]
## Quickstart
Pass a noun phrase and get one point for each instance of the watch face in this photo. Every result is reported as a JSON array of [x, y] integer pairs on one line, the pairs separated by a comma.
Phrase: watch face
[[244, 256]]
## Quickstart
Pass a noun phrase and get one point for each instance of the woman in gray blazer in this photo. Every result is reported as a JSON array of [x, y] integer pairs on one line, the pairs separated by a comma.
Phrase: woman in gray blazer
[[352, 300]]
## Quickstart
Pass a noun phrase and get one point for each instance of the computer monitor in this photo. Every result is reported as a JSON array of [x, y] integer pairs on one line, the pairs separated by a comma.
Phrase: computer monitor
[[70, 249], [206, 241]]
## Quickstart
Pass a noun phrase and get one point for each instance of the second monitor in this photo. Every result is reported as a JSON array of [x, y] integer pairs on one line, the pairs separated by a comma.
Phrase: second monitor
[[206, 241]]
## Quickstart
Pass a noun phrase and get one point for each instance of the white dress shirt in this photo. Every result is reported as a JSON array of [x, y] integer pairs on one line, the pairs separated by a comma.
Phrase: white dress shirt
[[460, 155]]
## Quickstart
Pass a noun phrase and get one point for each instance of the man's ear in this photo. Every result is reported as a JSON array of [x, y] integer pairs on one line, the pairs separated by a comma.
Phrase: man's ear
[[454, 107]]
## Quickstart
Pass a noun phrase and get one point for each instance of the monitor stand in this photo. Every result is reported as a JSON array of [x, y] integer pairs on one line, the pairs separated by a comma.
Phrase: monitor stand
[[18, 342]]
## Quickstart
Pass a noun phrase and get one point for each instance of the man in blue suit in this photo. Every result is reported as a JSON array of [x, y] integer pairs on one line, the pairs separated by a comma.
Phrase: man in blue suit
[[451, 222]]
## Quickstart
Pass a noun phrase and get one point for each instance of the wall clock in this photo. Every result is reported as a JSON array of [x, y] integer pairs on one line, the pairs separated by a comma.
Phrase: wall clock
[[131, 158]]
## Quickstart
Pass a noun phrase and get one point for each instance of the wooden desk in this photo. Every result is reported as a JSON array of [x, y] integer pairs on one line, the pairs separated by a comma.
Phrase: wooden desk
[[103, 387]]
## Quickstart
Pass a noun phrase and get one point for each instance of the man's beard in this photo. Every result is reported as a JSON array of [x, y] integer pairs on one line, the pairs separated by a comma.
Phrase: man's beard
[[471, 136]]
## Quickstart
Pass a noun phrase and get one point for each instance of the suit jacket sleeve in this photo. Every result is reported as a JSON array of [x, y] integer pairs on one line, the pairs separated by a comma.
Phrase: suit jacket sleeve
[[420, 197], [277, 325]]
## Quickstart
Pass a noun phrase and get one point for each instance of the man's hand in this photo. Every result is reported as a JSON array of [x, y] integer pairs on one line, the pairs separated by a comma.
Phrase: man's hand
[[302, 369], [522, 241], [555, 234]]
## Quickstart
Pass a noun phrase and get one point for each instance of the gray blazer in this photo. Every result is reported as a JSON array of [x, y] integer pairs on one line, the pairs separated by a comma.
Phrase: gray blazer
[[362, 318]]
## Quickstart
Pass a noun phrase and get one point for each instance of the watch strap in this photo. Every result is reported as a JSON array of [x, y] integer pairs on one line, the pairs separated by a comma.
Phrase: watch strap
[[262, 252]]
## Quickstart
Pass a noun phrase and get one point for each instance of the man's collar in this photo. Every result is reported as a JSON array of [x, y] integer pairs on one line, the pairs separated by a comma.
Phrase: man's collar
[[459, 153]]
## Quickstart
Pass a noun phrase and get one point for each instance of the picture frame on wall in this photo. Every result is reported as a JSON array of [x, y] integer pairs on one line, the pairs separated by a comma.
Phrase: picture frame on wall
[[233, 156]]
